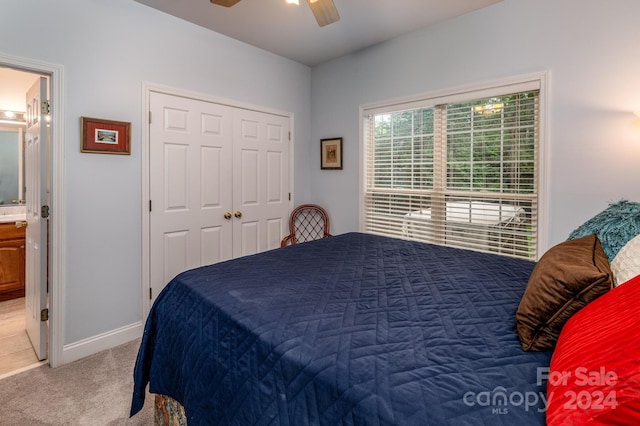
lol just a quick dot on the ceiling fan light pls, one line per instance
(225, 3)
(324, 11)
(296, 2)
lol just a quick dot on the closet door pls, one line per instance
(219, 184)
(190, 168)
(260, 181)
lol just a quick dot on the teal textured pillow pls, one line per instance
(615, 226)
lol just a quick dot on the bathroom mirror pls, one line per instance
(11, 165)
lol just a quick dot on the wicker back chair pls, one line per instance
(307, 222)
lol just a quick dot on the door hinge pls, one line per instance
(150, 293)
(44, 314)
(45, 107)
(149, 117)
(44, 212)
(289, 135)
(149, 205)
(289, 196)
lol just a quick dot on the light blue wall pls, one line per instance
(590, 48)
(108, 48)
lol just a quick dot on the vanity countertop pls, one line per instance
(4, 218)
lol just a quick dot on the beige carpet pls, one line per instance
(92, 391)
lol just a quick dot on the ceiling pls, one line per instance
(291, 31)
(14, 85)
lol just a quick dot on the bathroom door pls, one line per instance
(36, 196)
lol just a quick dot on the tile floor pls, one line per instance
(15, 349)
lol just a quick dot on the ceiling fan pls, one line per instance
(324, 11)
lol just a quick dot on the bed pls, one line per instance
(355, 329)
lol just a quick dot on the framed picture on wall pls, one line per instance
(102, 136)
(331, 154)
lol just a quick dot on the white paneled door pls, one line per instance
(218, 184)
(260, 181)
(36, 234)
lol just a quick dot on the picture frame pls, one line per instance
(100, 136)
(331, 154)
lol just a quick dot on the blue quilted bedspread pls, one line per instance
(354, 329)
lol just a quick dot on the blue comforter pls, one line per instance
(354, 329)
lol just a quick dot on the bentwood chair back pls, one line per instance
(307, 222)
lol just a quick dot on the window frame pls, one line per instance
(537, 81)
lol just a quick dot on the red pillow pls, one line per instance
(594, 377)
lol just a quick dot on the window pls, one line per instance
(459, 170)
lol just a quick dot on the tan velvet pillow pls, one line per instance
(566, 278)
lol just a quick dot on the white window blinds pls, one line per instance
(461, 173)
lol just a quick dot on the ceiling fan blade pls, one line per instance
(324, 11)
(225, 3)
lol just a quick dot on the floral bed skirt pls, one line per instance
(168, 412)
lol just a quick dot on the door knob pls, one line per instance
(238, 214)
(227, 215)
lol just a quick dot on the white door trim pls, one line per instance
(57, 197)
(147, 88)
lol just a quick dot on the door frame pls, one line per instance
(56, 233)
(147, 88)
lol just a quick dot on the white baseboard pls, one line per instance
(101, 342)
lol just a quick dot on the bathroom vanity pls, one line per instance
(12, 260)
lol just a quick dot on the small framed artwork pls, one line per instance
(331, 154)
(105, 136)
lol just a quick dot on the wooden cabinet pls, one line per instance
(12, 261)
